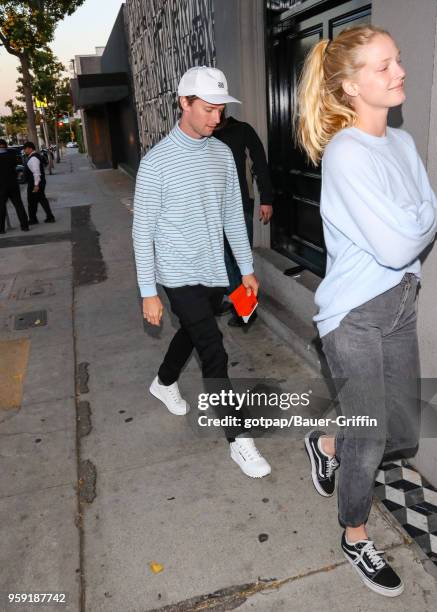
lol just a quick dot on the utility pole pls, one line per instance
(42, 105)
(70, 128)
(45, 130)
(58, 155)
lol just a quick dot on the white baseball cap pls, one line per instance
(206, 83)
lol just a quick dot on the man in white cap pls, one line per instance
(187, 193)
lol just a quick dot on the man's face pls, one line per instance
(202, 117)
(27, 151)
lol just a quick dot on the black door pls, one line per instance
(296, 224)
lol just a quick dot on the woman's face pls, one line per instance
(380, 82)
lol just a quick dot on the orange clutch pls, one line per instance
(244, 304)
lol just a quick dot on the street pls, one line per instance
(110, 499)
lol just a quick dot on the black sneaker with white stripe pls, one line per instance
(322, 466)
(372, 568)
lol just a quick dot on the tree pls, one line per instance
(46, 71)
(16, 122)
(26, 27)
(62, 105)
(51, 85)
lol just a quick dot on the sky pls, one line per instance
(78, 34)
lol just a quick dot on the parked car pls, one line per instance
(72, 145)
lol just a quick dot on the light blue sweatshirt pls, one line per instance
(379, 213)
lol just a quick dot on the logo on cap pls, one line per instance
(221, 85)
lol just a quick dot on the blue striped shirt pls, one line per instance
(187, 192)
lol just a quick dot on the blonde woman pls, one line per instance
(379, 214)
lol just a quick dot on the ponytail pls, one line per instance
(323, 108)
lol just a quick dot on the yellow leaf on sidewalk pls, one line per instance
(156, 567)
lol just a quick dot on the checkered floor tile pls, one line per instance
(412, 501)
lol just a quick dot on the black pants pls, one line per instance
(195, 307)
(35, 198)
(13, 193)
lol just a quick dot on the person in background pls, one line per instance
(245, 144)
(36, 184)
(10, 188)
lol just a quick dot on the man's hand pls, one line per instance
(35, 189)
(153, 309)
(249, 281)
(265, 213)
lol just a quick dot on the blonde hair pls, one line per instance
(323, 107)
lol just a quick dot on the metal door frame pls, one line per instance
(287, 24)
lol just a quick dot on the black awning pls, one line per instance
(96, 89)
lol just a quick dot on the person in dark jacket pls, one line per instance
(36, 184)
(243, 141)
(9, 187)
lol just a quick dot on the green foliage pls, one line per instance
(45, 70)
(48, 82)
(79, 136)
(16, 122)
(30, 24)
(26, 28)
(64, 134)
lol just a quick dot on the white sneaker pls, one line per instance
(247, 456)
(170, 396)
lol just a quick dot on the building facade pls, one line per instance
(166, 37)
(102, 89)
(260, 45)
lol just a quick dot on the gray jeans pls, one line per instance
(374, 361)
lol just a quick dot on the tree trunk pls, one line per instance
(27, 88)
(47, 141)
(45, 131)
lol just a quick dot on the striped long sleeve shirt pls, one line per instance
(187, 192)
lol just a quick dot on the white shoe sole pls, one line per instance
(154, 390)
(314, 469)
(372, 586)
(243, 468)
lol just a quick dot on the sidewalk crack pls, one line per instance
(234, 596)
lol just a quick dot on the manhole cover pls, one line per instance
(37, 318)
(37, 289)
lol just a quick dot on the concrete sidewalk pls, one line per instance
(88, 503)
